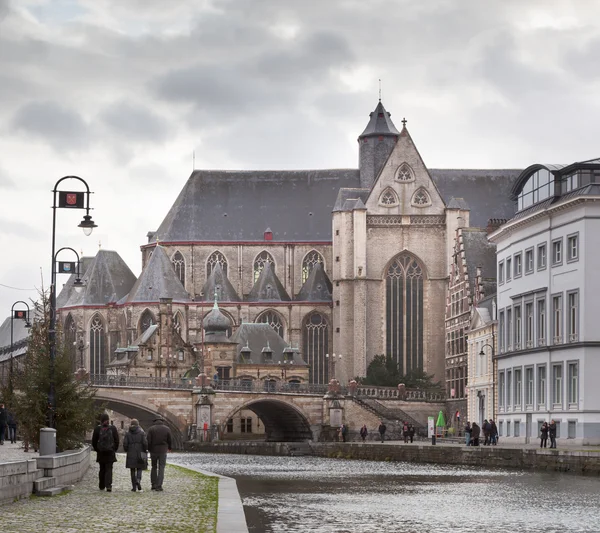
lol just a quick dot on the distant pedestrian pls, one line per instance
(475, 432)
(552, 433)
(411, 432)
(3, 420)
(364, 432)
(468, 433)
(344, 432)
(486, 432)
(159, 443)
(105, 442)
(135, 445)
(382, 429)
(12, 427)
(405, 432)
(493, 432)
(544, 435)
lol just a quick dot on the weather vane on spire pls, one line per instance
(380, 89)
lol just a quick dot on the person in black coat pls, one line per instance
(3, 420)
(475, 432)
(105, 458)
(552, 433)
(544, 435)
(135, 445)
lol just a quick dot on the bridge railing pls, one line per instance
(393, 393)
(104, 380)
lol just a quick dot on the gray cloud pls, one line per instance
(5, 181)
(134, 122)
(61, 127)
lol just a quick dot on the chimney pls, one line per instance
(494, 223)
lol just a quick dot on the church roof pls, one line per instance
(268, 287)
(317, 287)
(380, 123)
(157, 280)
(239, 205)
(217, 280)
(68, 290)
(347, 199)
(457, 203)
(258, 335)
(479, 252)
(107, 279)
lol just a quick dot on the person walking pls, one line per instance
(486, 432)
(382, 429)
(552, 433)
(135, 445)
(405, 431)
(105, 442)
(11, 421)
(159, 443)
(475, 432)
(3, 420)
(468, 434)
(364, 432)
(493, 432)
(411, 432)
(344, 432)
(544, 435)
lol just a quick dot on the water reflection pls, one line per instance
(301, 494)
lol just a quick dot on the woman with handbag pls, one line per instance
(135, 445)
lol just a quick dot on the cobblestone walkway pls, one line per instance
(188, 504)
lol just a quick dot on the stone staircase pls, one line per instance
(46, 486)
(394, 417)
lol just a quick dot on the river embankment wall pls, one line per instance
(546, 460)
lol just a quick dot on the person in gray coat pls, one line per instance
(159, 443)
(135, 445)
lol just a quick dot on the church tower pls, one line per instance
(375, 145)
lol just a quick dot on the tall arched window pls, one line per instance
(70, 336)
(97, 346)
(404, 313)
(310, 260)
(273, 319)
(146, 320)
(259, 263)
(177, 322)
(216, 257)
(179, 266)
(316, 345)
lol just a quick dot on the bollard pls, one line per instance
(433, 439)
(47, 441)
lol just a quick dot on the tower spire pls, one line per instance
(379, 89)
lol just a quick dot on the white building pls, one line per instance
(548, 357)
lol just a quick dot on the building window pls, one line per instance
(573, 316)
(529, 325)
(246, 425)
(558, 435)
(508, 428)
(541, 322)
(97, 346)
(508, 269)
(404, 173)
(316, 345)
(146, 320)
(310, 260)
(557, 325)
(517, 428)
(573, 247)
(557, 383)
(501, 272)
(537, 188)
(230, 425)
(404, 313)
(216, 258)
(501, 331)
(508, 388)
(388, 198)
(179, 266)
(261, 260)
(273, 319)
(518, 403)
(421, 198)
(149, 354)
(518, 330)
(573, 384)
(529, 261)
(529, 386)
(541, 386)
(541, 256)
(501, 428)
(509, 330)
(177, 322)
(571, 429)
(557, 252)
(518, 265)
(501, 385)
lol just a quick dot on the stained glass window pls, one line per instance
(404, 313)
(316, 345)
(216, 257)
(146, 320)
(310, 260)
(260, 261)
(97, 346)
(179, 266)
(177, 321)
(273, 319)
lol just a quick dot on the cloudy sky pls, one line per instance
(122, 92)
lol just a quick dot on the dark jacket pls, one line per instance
(11, 420)
(493, 429)
(135, 445)
(468, 428)
(159, 438)
(105, 457)
(363, 431)
(3, 416)
(552, 429)
(475, 431)
(382, 428)
(544, 431)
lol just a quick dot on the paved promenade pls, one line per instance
(86, 508)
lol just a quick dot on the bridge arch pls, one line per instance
(145, 415)
(283, 421)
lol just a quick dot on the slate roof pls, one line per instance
(268, 288)
(317, 287)
(68, 290)
(218, 280)
(380, 123)
(256, 337)
(347, 199)
(241, 205)
(157, 280)
(479, 252)
(20, 336)
(458, 203)
(107, 279)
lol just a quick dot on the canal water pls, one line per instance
(308, 494)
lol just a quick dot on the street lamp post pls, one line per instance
(67, 200)
(19, 315)
(482, 353)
